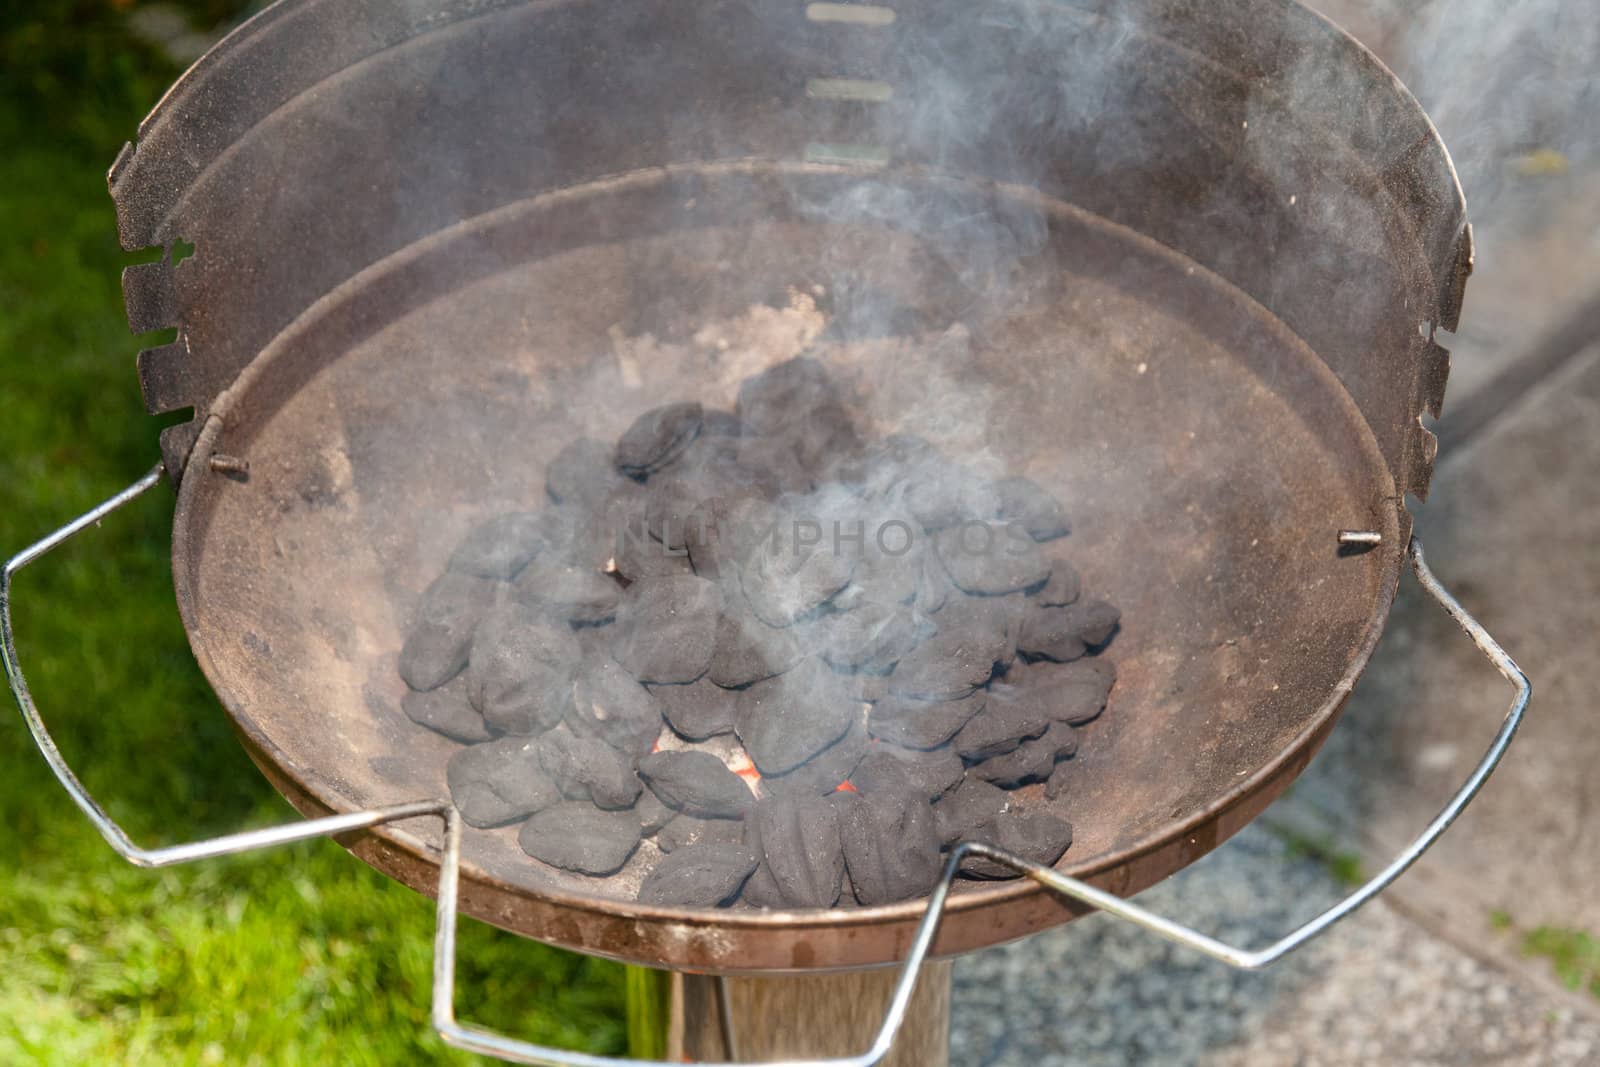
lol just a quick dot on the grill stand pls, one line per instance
(901, 1000)
(714, 1019)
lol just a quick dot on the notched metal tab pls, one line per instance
(164, 377)
(148, 292)
(119, 166)
(1433, 372)
(1455, 286)
(1424, 450)
(177, 442)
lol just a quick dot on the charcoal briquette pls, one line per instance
(872, 637)
(1024, 502)
(922, 724)
(707, 450)
(801, 849)
(872, 687)
(724, 529)
(499, 782)
(748, 650)
(1010, 717)
(1064, 585)
(1033, 760)
(824, 772)
(666, 628)
(653, 814)
(890, 768)
(775, 461)
(761, 890)
(718, 423)
(1081, 688)
(568, 593)
(657, 437)
(582, 474)
(1038, 837)
(696, 783)
(633, 553)
(1065, 633)
(682, 831)
(594, 642)
(446, 710)
(990, 558)
(609, 705)
(1050, 633)
(968, 808)
(994, 619)
(891, 845)
(786, 720)
(947, 666)
(670, 504)
(783, 394)
(698, 710)
(519, 671)
(942, 494)
(578, 537)
(789, 577)
(877, 469)
(819, 438)
(1056, 785)
(577, 836)
(500, 547)
(1074, 692)
(704, 875)
(1096, 621)
(730, 476)
(936, 496)
(934, 587)
(586, 768)
(439, 641)
(890, 570)
(640, 558)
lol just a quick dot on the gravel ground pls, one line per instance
(1377, 989)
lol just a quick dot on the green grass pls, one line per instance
(302, 955)
(1574, 954)
(1343, 865)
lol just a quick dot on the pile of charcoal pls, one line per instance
(894, 642)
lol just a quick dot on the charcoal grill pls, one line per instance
(1192, 259)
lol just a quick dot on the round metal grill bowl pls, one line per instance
(1138, 257)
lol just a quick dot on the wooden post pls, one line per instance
(809, 1017)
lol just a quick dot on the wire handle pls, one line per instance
(474, 1039)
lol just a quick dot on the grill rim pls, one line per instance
(698, 940)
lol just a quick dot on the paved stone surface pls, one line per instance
(1375, 990)
(1512, 528)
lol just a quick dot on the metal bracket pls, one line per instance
(474, 1039)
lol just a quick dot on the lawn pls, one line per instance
(303, 955)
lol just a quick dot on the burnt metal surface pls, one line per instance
(1253, 137)
(1208, 456)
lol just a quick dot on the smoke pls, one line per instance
(1506, 84)
(928, 270)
